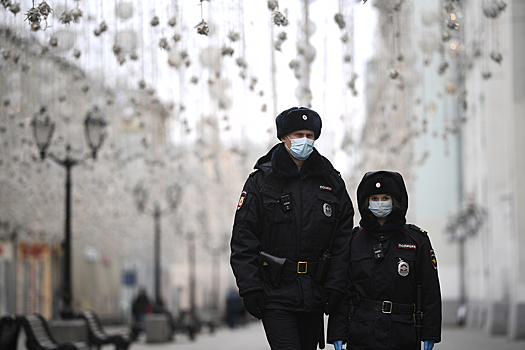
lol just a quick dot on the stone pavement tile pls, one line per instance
(249, 337)
(455, 338)
(252, 337)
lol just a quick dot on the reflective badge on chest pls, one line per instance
(402, 267)
(327, 209)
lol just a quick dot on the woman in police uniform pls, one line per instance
(393, 299)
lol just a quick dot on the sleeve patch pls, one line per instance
(433, 259)
(241, 200)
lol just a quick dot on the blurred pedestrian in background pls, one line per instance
(290, 239)
(394, 298)
(140, 306)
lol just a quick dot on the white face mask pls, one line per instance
(380, 209)
(301, 148)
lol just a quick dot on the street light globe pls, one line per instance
(43, 128)
(95, 125)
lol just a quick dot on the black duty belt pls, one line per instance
(300, 267)
(387, 307)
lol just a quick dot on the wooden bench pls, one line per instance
(9, 329)
(97, 335)
(39, 336)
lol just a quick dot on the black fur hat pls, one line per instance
(295, 118)
(381, 184)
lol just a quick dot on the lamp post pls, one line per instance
(464, 224)
(141, 195)
(43, 128)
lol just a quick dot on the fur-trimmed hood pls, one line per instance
(397, 219)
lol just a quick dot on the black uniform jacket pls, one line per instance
(302, 233)
(382, 280)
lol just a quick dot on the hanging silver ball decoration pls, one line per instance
(142, 84)
(496, 57)
(53, 41)
(273, 4)
(393, 74)
(241, 62)
(294, 64)
(202, 28)
(176, 37)
(66, 18)
(15, 8)
(442, 67)
(133, 56)
(340, 20)
(234, 36)
(172, 22)
(76, 13)
(279, 19)
(486, 75)
(154, 21)
(226, 50)
(494, 8)
(163, 44)
(102, 27)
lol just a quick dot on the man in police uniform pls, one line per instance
(289, 246)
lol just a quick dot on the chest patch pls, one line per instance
(403, 268)
(406, 246)
(241, 200)
(325, 188)
(327, 209)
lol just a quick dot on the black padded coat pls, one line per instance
(300, 234)
(381, 280)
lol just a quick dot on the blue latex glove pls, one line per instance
(338, 344)
(429, 345)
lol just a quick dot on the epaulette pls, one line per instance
(354, 230)
(253, 172)
(417, 228)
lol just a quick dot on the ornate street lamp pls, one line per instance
(95, 125)
(43, 128)
(141, 194)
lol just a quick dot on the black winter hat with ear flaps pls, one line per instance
(298, 118)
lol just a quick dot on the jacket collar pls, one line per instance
(283, 165)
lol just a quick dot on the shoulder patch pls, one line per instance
(241, 200)
(417, 228)
(433, 259)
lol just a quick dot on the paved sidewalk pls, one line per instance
(251, 337)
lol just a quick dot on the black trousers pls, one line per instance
(288, 330)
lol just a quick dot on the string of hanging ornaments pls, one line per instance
(202, 26)
(347, 39)
(492, 11)
(279, 19)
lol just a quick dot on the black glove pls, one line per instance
(331, 299)
(254, 303)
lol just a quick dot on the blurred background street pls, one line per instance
(127, 130)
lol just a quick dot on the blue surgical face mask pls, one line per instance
(301, 148)
(380, 209)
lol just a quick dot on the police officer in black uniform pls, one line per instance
(394, 298)
(290, 239)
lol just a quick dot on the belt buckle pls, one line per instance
(383, 307)
(305, 263)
